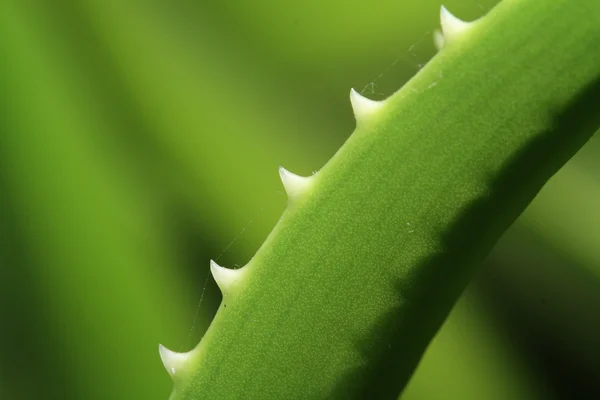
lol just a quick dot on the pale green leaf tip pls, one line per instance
(452, 27)
(364, 109)
(226, 278)
(438, 39)
(172, 361)
(294, 184)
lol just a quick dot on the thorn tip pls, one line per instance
(172, 361)
(363, 107)
(438, 39)
(294, 184)
(452, 27)
(224, 277)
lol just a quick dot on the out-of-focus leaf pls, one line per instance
(471, 358)
(97, 253)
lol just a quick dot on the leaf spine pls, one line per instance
(452, 27)
(364, 109)
(226, 278)
(438, 39)
(294, 185)
(172, 361)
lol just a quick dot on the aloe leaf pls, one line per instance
(374, 249)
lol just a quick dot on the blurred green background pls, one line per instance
(139, 139)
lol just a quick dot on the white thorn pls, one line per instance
(172, 361)
(294, 185)
(438, 39)
(452, 27)
(224, 277)
(363, 107)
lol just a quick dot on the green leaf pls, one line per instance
(374, 249)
